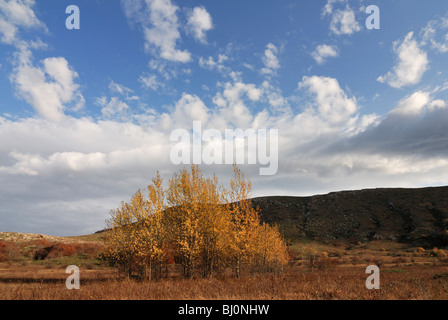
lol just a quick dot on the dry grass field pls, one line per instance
(317, 271)
(417, 282)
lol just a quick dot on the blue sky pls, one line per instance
(86, 115)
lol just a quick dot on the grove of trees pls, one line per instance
(196, 223)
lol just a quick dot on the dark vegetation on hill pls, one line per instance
(418, 217)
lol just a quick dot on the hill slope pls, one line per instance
(415, 216)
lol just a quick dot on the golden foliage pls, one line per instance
(206, 227)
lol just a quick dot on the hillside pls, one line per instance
(415, 216)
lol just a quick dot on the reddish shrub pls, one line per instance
(9, 251)
(71, 249)
(90, 250)
(41, 243)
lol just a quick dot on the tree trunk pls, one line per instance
(238, 267)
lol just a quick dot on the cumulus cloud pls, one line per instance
(332, 102)
(48, 88)
(270, 60)
(117, 106)
(15, 15)
(113, 107)
(328, 8)
(233, 102)
(199, 22)
(413, 104)
(323, 52)
(274, 97)
(344, 22)
(159, 22)
(412, 62)
(342, 18)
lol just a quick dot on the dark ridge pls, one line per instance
(415, 216)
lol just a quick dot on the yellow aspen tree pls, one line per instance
(214, 227)
(157, 226)
(244, 221)
(205, 226)
(136, 235)
(139, 212)
(149, 229)
(120, 239)
(184, 195)
(272, 254)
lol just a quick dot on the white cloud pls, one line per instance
(323, 52)
(412, 105)
(270, 60)
(199, 22)
(435, 34)
(232, 103)
(412, 62)
(159, 21)
(342, 20)
(123, 91)
(417, 104)
(162, 67)
(212, 64)
(149, 81)
(333, 104)
(112, 108)
(274, 97)
(15, 14)
(118, 88)
(19, 12)
(8, 31)
(189, 108)
(49, 89)
(248, 66)
(328, 9)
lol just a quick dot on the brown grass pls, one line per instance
(34, 282)
(337, 272)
